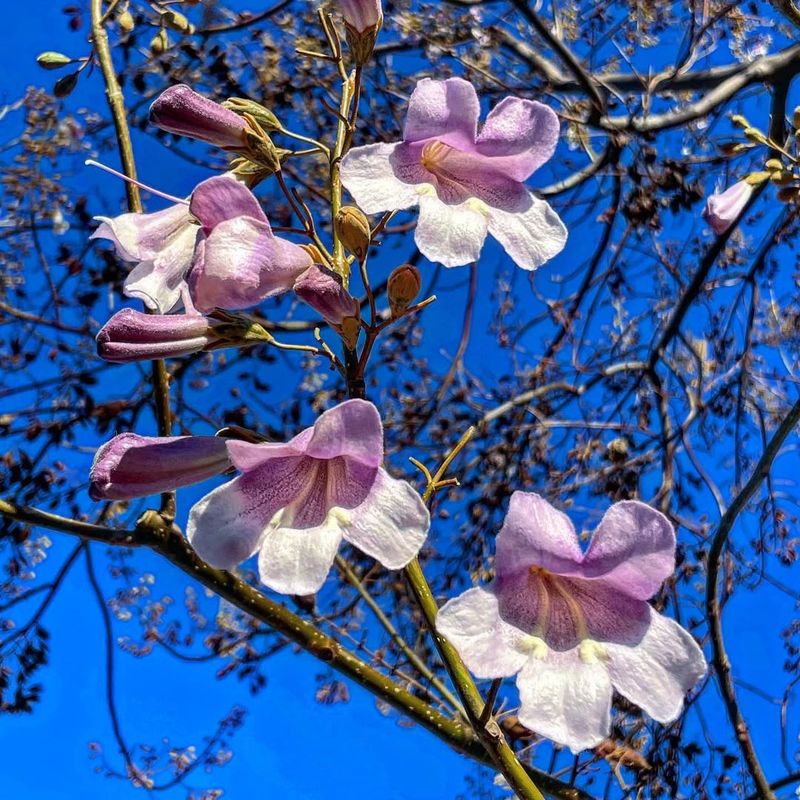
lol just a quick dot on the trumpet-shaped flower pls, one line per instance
(132, 336)
(162, 246)
(322, 289)
(295, 502)
(239, 261)
(216, 251)
(572, 625)
(723, 208)
(466, 184)
(130, 465)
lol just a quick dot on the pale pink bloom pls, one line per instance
(723, 208)
(130, 465)
(322, 289)
(182, 110)
(573, 625)
(361, 15)
(238, 261)
(161, 245)
(221, 242)
(467, 184)
(132, 336)
(295, 502)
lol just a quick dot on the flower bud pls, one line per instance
(132, 336)
(403, 287)
(182, 110)
(263, 116)
(126, 22)
(66, 85)
(363, 20)
(130, 466)
(176, 21)
(723, 209)
(159, 43)
(52, 60)
(352, 228)
(350, 330)
(324, 292)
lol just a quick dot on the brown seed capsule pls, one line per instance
(403, 287)
(352, 228)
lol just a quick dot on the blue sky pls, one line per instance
(290, 745)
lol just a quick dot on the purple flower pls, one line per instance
(361, 15)
(239, 261)
(723, 208)
(295, 502)
(161, 245)
(133, 336)
(130, 466)
(572, 625)
(465, 183)
(323, 291)
(217, 251)
(181, 110)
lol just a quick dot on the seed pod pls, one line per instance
(353, 230)
(403, 287)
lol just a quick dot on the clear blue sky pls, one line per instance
(290, 746)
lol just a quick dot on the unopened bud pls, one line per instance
(353, 230)
(363, 20)
(754, 135)
(52, 60)
(263, 116)
(159, 43)
(64, 86)
(740, 121)
(403, 287)
(125, 22)
(617, 450)
(322, 289)
(176, 21)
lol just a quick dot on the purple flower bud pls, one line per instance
(723, 208)
(181, 110)
(133, 336)
(132, 466)
(361, 15)
(323, 291)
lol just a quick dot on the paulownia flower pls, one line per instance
(130, 466)
(221, 241)
(295, 502)
(161, 245)
(322, 289)
(572, 626)
(467, 184)
(292, 504)
(723, 208)
(132, 336)
(181, 110)
(239, 261)
(361, 15)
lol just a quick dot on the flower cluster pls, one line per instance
(569, 625)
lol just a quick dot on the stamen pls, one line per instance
(592, 652)
(533, 646)
(92, 163)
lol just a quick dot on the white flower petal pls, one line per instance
(391, 524)
(453, 235)
(146, 283)
(531, 235)
(566, 699)
(368, 174)
(656, 673)
(297, 560)
(489, 646)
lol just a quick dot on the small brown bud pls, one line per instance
(353, 230)
(65, 86)
(176, 21)
(740, 121)
(126, 22)
(403, 287)
(350, 330)
(617, 450)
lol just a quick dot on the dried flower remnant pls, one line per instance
(572, 626)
